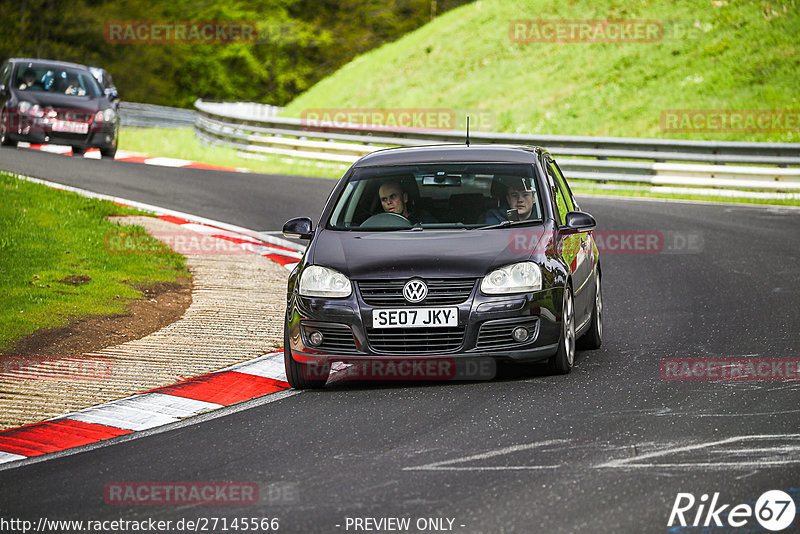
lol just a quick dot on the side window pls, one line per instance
(5, 74)
(562, 184)
(561, 201)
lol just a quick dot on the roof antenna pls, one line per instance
(467, 130)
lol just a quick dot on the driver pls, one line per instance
(395, 200)
(74, 88)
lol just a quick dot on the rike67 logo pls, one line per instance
(774, 510)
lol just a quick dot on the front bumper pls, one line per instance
(38, 131)
(484, 330)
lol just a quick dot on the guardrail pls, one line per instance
(152, 116)
(651, 161)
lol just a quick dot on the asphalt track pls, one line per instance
(604, 449)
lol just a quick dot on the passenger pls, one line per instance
(516, 198)
(394, 199)
(28, 80)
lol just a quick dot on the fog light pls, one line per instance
(315, 338)
(520, 334)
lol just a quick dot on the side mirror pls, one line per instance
(578, 221)
(299, 227)
(3, 89)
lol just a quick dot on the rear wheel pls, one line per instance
(561, 363)
(78, 151)
(301, 375)
(593, 337)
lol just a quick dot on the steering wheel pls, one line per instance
(386, 220)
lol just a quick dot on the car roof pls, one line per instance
(452, 153)
(52, 62)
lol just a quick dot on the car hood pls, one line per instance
(54, 100)
(431, 253)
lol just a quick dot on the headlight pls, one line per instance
(515, 278)
(106, 115)
(318, 281)
(26, 108)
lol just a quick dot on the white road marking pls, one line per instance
(144, 411)
(268, 366)
(730, 459)
(10, 457)
(446, 465)
(168, 162)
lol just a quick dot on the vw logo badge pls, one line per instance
(415, 290)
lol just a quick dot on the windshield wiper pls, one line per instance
(503, 224)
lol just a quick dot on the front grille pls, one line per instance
(440, 291)
(497, 334)
(335, 337)
(70, 115)
(415, 340)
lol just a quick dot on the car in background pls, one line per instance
(54, 102)
(444, 252)
(107, 83)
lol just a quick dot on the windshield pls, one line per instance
(443, 196)
(32, 77)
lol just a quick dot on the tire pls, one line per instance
(301, 375)
(108, 152)
(561, 363)
(78, 151)
(4, 139)
(593, 337)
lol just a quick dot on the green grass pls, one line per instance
(48, 236)
(181, 143)
(740, 55)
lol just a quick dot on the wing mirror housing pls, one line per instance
(578, 221)
(299, 227)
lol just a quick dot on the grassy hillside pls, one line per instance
(723, 55)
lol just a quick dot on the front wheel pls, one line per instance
(593, 337)
(561, 363)
(302, 375)
(5, 140)
(108, 152)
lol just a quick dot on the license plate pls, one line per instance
(414, 317)
(70, 127)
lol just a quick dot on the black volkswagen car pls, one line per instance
(444, 252)
(55, 102)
